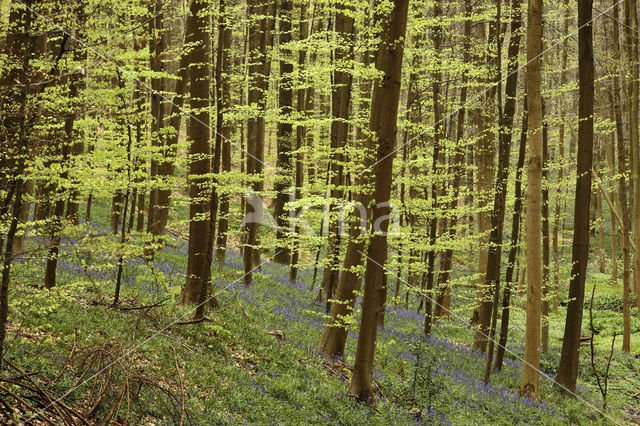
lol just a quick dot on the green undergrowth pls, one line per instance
(254, 362)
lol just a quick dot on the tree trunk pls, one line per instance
(13, 133)
(568, 368)
(384, 112)
(631, 44)
(544, 337)
(66, 142)
(223, 128)
(437, 141)
(334, 335)
(199, 152)
(484, 158)
(558, 224)
(260, 36)
(157, 50)
(441, 306)
(340, 101)
(529, 382)
(505, 135)
(282, 185)
(301, 132)
(515, 237)
(625, 225)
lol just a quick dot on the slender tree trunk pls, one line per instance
(558, 224)
(483, 190)
(384, 112)
(568, 368)
(515, 238)
(157, 50)
(127, 192)
(631, 44)
(529, 381)
(544, 337)
(77, 79)
(625, 225)
(489, 304)
(340, 103)
(283, 182)
(57, 224)
(223, 128)
(199, 151)
(301, 131)
(13, 133)
(441, 307)
(260, 36)
(334, 335)
(611, 165)
(437, 141)
(505, 135)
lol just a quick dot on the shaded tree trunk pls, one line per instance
(223, 128)
(340, 102)
(301, 131)
(505, 135)
(515, 239)
(199, 151)
(568, 368)
(282, 185)
(437, 141)
(13, 133)
(260, 36)
(625, 223)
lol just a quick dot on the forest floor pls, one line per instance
(254, 360)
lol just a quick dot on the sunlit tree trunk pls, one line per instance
(483, 190)
(625, 225)
(384, 112)
(544, 337)
(340, 102)
(529, 381)
(631, 45)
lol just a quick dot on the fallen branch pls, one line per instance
(194, 321)
(141, 308)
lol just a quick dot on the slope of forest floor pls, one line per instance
(254, 360)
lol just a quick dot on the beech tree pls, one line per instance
(198, 134)
(384, 103)
(529, 382)
(161, 159)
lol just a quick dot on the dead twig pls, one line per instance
(194, 321)
(181, 383)
(141, 308)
